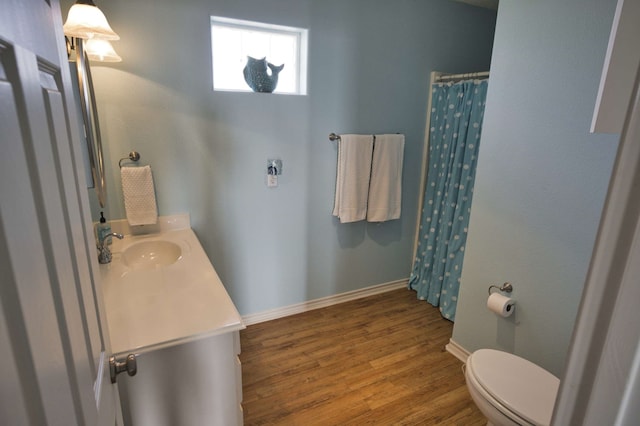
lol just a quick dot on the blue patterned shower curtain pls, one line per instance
(456, 122)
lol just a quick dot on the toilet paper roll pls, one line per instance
(501, 305)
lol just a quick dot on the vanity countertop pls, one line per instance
(150, 308)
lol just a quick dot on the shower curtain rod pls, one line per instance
(447, 77)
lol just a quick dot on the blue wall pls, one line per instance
(369, 65)
(541, 178)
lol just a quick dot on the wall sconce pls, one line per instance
(86, 22)
(101, 51)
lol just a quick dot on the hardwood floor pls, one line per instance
(377, 360)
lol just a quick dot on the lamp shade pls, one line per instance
(86, 21)
(101, 50)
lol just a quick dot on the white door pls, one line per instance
(53, 338)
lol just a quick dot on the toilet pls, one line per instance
(510, 390)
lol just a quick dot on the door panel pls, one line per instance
(9, 401)
(52, 327)
(26, 295)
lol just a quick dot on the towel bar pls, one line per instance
(133, 156)
(334, 136)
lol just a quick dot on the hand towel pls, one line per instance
(352, 177)
(385, 189)
(139, 195)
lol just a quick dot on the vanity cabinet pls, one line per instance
(165, 303)
(193, 384)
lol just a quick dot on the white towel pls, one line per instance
(385, 189)
(139, 195)
(352, 178)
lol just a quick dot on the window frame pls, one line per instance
(302, 41)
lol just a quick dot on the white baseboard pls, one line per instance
(456, 350)
(322, 302)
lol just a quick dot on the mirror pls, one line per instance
(90, 120)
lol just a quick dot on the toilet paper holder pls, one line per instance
(506, 287)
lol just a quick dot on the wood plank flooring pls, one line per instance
(377, 360)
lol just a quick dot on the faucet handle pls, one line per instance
(110, 234)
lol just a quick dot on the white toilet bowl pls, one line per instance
(509, 390)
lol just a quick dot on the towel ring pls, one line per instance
(133, 156)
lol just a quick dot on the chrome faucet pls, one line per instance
(104, 254)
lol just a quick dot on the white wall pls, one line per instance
(541, 179)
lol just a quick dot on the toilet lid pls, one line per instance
(525, 388)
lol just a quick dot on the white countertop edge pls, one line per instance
(179, 341)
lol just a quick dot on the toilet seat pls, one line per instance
(513, 385)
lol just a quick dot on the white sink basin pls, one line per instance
(151, 254)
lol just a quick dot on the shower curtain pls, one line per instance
(456, 122)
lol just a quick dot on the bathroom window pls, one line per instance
(232, 40)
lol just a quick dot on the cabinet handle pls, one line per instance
(128, 364)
